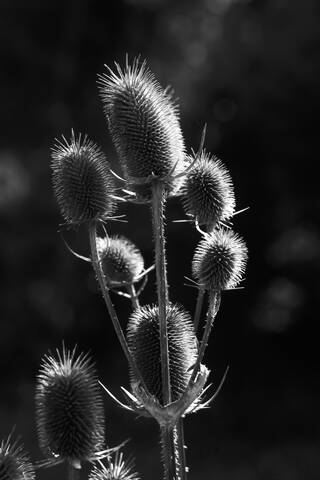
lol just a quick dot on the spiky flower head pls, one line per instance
(143, 337)
(207, 191)
(14, 462)
(144, 125)
(82, 181)
(117, 469)
(219, 260)
(69, 408)
(121, 260)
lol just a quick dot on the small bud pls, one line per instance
(121, 261)
(14, 462)
(81, 180)
(207, 191)
(219, 260)
(117, 469)
(144, 342)
(69, 408)
(144, 125)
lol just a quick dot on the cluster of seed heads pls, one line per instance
(121, 261)
(143, 337)
(69, 408)
(14, 462)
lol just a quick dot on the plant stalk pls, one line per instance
(197, 314)
(168, 453)
(73, 473)
(133, 294)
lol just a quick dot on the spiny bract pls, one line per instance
(81, 180)
(69, 408)
(207, 191)
(121, 261)
(117, 469)
(144, 125)
(219, 260)
(14, 462)
(144, 343)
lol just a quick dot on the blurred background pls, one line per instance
(250, 70)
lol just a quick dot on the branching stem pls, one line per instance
(199, 304)
(134, 297)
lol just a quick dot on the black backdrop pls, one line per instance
(250, 70)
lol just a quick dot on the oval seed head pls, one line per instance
(82, 181)
(219, 260)
(121, 261)
(14, 462)
(207, 191)
(117, 469)
(69, 408)
(144, 125)
(144, 343)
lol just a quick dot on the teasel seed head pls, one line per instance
(219, 260)
(14, 462)
(144, 342)
(116, 469)
(121, 261)
(144, 125)
(207, 191)
(82, 180)
(69, 408)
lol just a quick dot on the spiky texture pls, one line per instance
(69, 408)
(117, 469)
(219, 260)
(143, 123)
(14, 462)
(121, 261)
(81, 180)
(207, 191)
(144, 342)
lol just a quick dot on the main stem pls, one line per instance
(73, 473)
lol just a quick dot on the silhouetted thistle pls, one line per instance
(69, 408)
(14, 462)
(144, 125)
(219, 260)
(117, 469)
(81, 180)
(121, 261)
(207, 191)
(144, 343)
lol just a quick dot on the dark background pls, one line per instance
(250, 69)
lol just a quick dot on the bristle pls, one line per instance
(69, 408)
(116, 469)
(207, 191)
(144, 343)
(121, 261)
(219, 260)
(14, 462)
(143, 123)
(82, 181)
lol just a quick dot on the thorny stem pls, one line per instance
(133, 295)
(106, 296)
(168, 453)
(181, 462)
(213, 309)
(199, 304)
(73, 473)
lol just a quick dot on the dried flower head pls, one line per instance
(121, 261)
(69, 408)
(14, 462)
(207, 191)
(219, 260)
(81, 180)
(117, 469)
(144, 125)
(144, 342)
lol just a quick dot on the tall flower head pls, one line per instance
(207, 191)
(81, 180)
(144, 125)
(144, 342)
(121, 261)
(14, 462)
(219, 260)
(116, 469)
(69, 408)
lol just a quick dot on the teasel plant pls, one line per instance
(163, 349)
